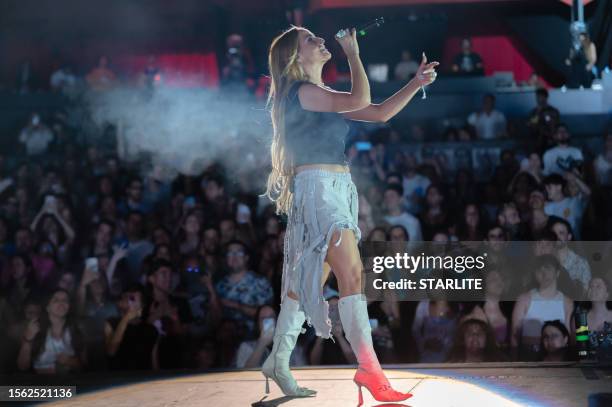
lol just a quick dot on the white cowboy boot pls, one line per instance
(356, 324)
(276, 367)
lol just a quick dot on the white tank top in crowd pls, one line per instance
(52, 348)
(540, 310)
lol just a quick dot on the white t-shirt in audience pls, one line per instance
(411, 223)
(488, 126)
(559, 152)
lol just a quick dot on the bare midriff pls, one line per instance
(324, 167)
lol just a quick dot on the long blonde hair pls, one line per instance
(284, 71)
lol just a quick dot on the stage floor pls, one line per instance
(439, 386)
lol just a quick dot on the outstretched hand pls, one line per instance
(426, 73)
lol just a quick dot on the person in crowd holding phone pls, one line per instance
(131, 342)
(577, 267)
(18, 323)
(561, 205)
(95, 307)
(196, 283)
(53, 344)
(339, 352)
(385, 321)
(169, 313)
(51, 225)
(252, 353)
(311, 183)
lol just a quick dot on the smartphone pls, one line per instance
(243, 213)
(49, 201)
(190, 269)
(363, 145)
(373, 323)
(269, 323)
(91, 263)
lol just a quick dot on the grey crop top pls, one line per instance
(313, 137)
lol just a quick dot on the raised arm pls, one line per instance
(393, 105)
(321, 99)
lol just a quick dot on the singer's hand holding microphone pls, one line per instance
(347, 38)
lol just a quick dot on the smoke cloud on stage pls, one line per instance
(183, 131)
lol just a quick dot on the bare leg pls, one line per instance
(345, 262)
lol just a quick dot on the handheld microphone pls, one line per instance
(361, 32)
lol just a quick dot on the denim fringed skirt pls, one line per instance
(323, 202)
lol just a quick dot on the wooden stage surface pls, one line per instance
(483, 385)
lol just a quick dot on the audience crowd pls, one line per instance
(105, 267)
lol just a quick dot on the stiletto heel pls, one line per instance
(360, 402)
(267, 386)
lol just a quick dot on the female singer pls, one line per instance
(311, 183)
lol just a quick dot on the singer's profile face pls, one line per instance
(312, 49)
